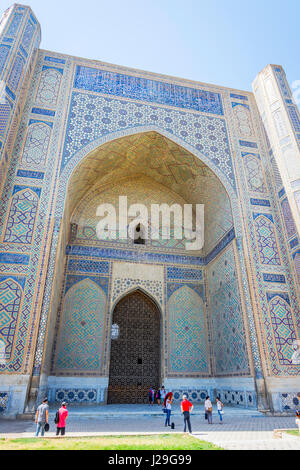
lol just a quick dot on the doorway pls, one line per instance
(135, 349)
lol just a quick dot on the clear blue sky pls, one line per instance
(224, 42)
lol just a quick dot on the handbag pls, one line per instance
(164, 410)
(56, 418)
(47, 427)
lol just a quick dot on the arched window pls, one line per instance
(115, 331)
(139, 236)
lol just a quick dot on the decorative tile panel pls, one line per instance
(254, 173)
(49, 86)
(187, 333)
(82, 328)
(4, 400)
(228, 331)
(76, 395)
(266, 239)
(143, 89)
(21, 220)
(10, 301)
(283, 326)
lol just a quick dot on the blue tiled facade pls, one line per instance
(81, 131)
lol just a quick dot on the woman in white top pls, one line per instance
(208, 409)
(168, 405)
(220, 409)
(297, 420)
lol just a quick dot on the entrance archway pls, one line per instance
(135, 349)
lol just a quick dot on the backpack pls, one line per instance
(56, 419)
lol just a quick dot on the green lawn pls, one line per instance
(153, 442)
(295, 432)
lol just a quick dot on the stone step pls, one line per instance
(104, 413)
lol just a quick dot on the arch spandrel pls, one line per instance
(68, 174)
(154, 156)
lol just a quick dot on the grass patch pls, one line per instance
(294, 432)
(153, 442)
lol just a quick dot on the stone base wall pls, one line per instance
(13, 392)
(77, 390)
(232, 391)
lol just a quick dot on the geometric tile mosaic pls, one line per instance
(283, 327)
(147, 90)
(187, 333)
(36, 145)
(10, 301)
(121, 286)
(49, 86)
(202, 131)
(78, 395)
(266, 239)
(289, 401)
(237, 398)
(82, 326)
(228, 330)
(254, 174)
(194, 396)
(21, 219)
(4, 399)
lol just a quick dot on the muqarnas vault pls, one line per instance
(93, 321)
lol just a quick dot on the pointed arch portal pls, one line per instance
(135, 349)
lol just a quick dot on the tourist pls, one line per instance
(151, 396)
(168, 407)
(208, 409)
(186, 409)
(63, 414)
(220, 409)
(41, 417)
(163, 394)
(158, 396)
(297, 421)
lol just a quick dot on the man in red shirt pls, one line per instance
(61, 425)
(186, 409)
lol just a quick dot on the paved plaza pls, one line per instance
(242, 429)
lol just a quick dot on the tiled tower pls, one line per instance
(20, 38)
(281, 119)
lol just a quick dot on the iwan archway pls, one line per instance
(204, 331)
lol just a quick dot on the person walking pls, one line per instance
(63, 414)
(220, 409)
(163, 394)
(186, 409)
(168, 407)
(41, 417)
(151, 395)
(158, 396)
(208, 409)
(297, 420)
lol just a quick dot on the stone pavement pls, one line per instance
(242, 429)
